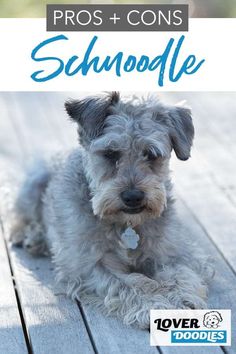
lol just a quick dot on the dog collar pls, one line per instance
(130, 238)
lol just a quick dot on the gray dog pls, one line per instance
(105, 212)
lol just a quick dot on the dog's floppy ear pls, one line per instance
(90, 114)
(181, 131)
(219, 316)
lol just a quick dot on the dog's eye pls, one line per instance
(112, 155)
(151, 155)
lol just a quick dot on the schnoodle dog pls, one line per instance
(105, 212)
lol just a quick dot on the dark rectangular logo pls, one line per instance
(117, 18)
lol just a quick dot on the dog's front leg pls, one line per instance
(182, 286)
(122, 293)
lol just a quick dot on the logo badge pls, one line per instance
(190, 327)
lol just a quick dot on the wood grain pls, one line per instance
(12, 338)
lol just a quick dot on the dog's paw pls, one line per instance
(139, 319)
(140, 316)
(34, 241)
(17, 233)
(36, 248)
(142, 284)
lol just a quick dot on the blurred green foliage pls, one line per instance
(197, 8)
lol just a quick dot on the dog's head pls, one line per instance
(212, 319)
(128, 145)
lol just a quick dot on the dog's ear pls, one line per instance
(219, 316)
(90, 114)
(181, 131)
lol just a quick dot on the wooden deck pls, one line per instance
(34, 317)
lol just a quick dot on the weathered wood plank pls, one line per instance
(9, 138)
(222, 125)
(30, 117)
(54, 323)
(61, 125)
(112, 337)
(215, 140)
(12, 338)
(191, 350)
(209, 204)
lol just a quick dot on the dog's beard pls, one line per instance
(107, 204)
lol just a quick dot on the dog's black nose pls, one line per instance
(132, 197)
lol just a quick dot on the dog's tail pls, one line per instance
(28, 205)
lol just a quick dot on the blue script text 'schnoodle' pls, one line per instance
(119, 63)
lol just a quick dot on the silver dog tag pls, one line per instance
(130, 238)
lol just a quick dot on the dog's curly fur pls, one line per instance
(72, 208)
